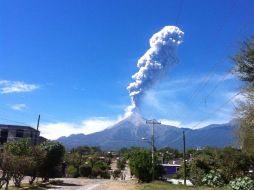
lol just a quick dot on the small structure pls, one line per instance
(170, 169)
(10, 133)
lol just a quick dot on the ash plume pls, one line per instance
(154, 64)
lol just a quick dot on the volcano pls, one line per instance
(130, 131)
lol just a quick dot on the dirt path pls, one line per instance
(94, 184)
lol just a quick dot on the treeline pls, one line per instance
(213, 167)
(244, 69)
(20, 158)
(217, 166)
(88, 162)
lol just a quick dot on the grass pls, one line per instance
(39, 186)
(166, 186)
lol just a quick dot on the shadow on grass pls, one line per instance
(43, 186)
(66, 184)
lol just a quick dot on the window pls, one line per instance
(19, 133)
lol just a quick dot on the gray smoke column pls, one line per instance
(155, 63)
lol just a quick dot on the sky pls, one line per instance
(71, 62)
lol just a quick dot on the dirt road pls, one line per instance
(94, 184)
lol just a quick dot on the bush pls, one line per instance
(85, 171)
(104, 174)
(242, 183)
(72, 171)
(140, 163)
(100, 165)
(121, 164)
(213, 179)
(116, 173)
(95, 172)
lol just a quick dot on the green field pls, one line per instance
(165, 186)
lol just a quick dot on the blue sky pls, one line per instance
(71, 61)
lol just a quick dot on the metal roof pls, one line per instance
(4, 126)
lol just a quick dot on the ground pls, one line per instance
(165, 186)
(102, 184)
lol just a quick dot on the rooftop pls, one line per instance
(4, 126)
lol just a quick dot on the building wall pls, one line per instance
(19, 133)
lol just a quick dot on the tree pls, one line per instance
(38, 157)
(53, 159)
(6, 165)
(140, 162)
(120, 164)
(72, 171)
(16, 161)
(85, 170)
(116, 173)
(232, 163)
(227, 162)
(244, 69)
(244, 61)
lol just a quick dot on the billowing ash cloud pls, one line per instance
(158, 59)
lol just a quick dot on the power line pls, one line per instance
(215, 111)
(206, 80)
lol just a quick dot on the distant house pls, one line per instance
(10, 133)
(170, 169)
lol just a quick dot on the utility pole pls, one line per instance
(37, 132)
(184, 158)
(153, 122)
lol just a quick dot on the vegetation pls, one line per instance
(228, 162)
(243, 183)
(88, 162)
(85, 170)
(140, 162)
(244, 69)
(120, 164)
(213, 179)
(166, 186)
(116, 173)
(19, 158)
(51, 166)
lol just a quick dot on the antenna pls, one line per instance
(38, 122)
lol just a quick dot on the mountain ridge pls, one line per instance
(129, 132)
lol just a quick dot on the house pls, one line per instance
(10, 133)
(170, 169)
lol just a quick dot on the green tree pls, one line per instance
(6, 165)
(232, 163)
(140, 162)
(244, 69)
(202, 163)
(38, 156)
(85, 170)
(53, 159)
(244, 61)
(120, 164)
(16, 161)
(72, 171)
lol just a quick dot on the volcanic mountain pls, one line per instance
(130, 131)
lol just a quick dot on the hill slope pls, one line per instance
(129, 132)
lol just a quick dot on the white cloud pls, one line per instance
(7, 87)
(96, 124)
(201, 124)
(88, 126)
(19, 107)
(174, 123)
